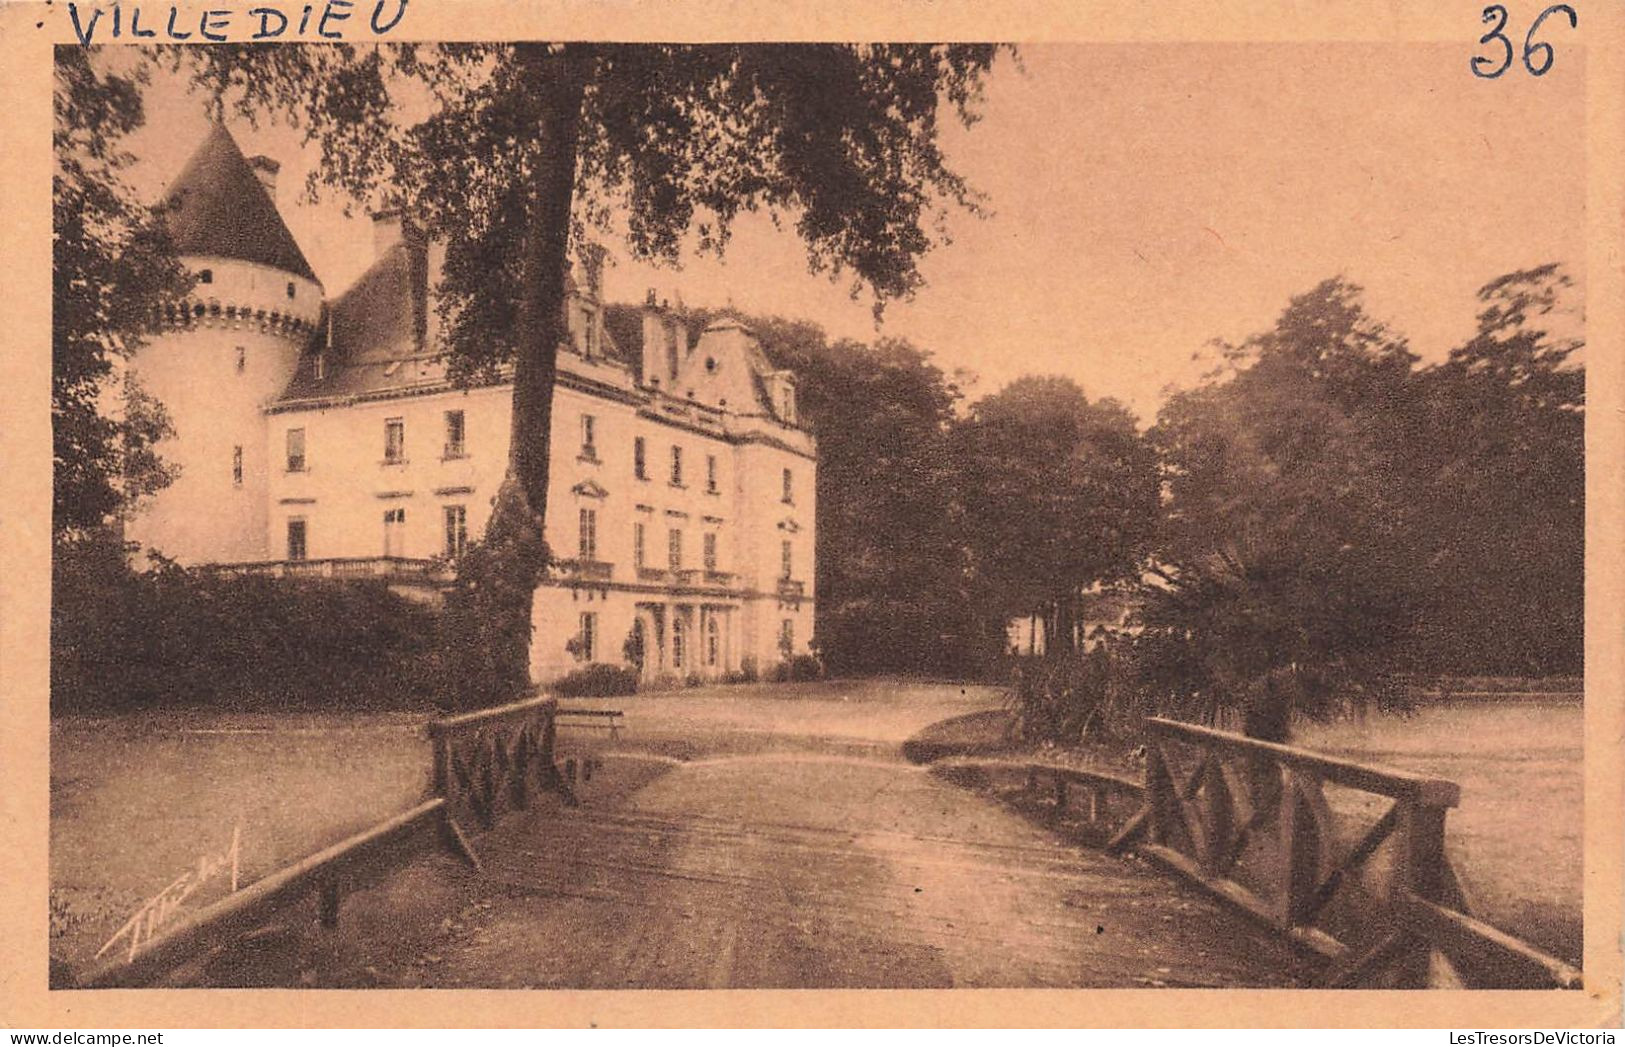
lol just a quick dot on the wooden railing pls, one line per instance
(485, 763)
(1248, 821)
(489, 761)
(351, 861)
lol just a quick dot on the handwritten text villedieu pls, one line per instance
(317, 20)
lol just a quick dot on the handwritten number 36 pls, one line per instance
(1486, 68)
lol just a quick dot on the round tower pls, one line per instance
(218, 359)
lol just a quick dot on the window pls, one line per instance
(710, 552)
(640, 464)
(676, 466)
(205, 276)
(713, 640)
(784, 552)
(242, 359)
(787, 637)
(588, 448)
(679, 634)
(587, 639)
(318, 366)
(456, 517)
(290, 288)
(454, 434)
(394, 441)
(394, 532)
(674, 548)
(589, 534)
(711, 473)
(637, 545)
(296, 538)
(237, 466)
(296, 450)
(788, 488)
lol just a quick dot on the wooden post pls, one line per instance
(485, 786)
(1060, 796)
(518, 785)
(442, 766)
(1419, 869)
(1219, 816)
(1300, 852)
(1159, 795)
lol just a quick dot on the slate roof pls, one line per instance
(624, 325)
(217, 206)
(372, 334)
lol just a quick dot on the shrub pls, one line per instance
(1068, 696)
(801, 667)
(598, 681)
(126, 639)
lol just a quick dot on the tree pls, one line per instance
(112, 267)
(1504, 448)
(1059, 494)
(892, 571)
(1286, 569)
(529, 145)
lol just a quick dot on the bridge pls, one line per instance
(699, 844)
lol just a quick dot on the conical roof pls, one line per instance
(217, 206)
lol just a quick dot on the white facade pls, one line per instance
(311, 445)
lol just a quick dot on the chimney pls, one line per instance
(265, 170)
(654, 339)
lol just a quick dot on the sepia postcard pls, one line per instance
(690, 514)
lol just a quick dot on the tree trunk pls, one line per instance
(1066, 617)
(496, 587)
(554, 78)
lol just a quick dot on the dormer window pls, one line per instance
(205, 276)
(290, 288)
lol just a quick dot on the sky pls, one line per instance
(1145, 199)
